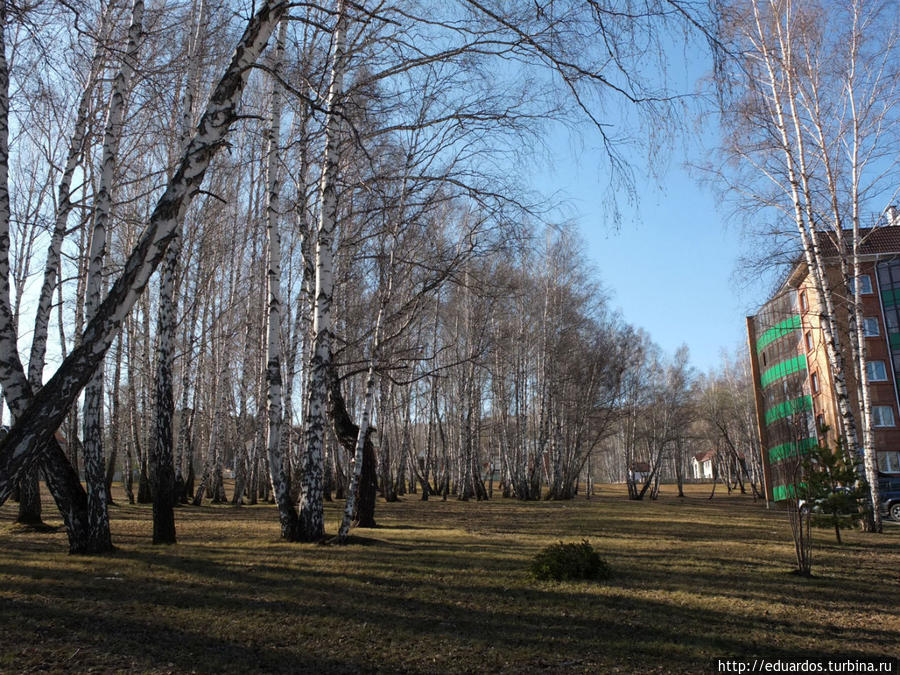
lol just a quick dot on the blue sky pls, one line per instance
(670, 265)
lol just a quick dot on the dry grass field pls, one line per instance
(444, 587)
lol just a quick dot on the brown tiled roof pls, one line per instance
(877, 240)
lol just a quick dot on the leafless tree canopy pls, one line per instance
(344, 244)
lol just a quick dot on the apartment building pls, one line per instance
(793, 384)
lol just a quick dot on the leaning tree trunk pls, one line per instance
(45, 412)
(362, 435)
(348, 435)
(61, 479)
(29, 495)
(312, 519)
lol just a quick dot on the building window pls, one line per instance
(814, 381)
(804, 305)
(870, 327)
(889, 462)
(865, 285)
(891, 321)
(876, 371)
(809, 341)
(882, 416)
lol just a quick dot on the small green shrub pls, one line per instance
(562, 562)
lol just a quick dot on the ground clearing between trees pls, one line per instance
(444, 587)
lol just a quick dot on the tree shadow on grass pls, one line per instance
(432, 598)
(412, 600)
(115, 642)
(29, 528)
(259, 625)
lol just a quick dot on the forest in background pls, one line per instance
(354, 293)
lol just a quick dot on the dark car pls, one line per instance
(889, 491)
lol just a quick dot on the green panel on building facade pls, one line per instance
(788, 367)
(782, 492)
(895, 340)
(788, 408)
(890, 297)
(778, 330)
(786, 450)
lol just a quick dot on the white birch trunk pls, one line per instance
(312, 522)
(278, 469)
(187, 367)
(15, 386)
(855, 320)
(63, 209)
(162, 463)
(162, 469)
(62, 480)
(216, 431)
(365, 420)
(48, 408)
(830, 326)
(94, 466)
(870, 464)
(811, 251)
(302, 313)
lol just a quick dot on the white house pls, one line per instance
(702, 465)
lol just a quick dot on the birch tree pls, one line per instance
(74, 154)
(815, 121)
(48, 407)
(62, 480)
(278, 463)
(94, 465)
(312, 525)
(162, 460)
(471, 40)
(411, 124)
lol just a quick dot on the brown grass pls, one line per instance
(444, 587)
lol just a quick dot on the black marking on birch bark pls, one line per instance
(311, 504)
(45, 412)
(61, 480)
(162, 469)
(347, 434)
